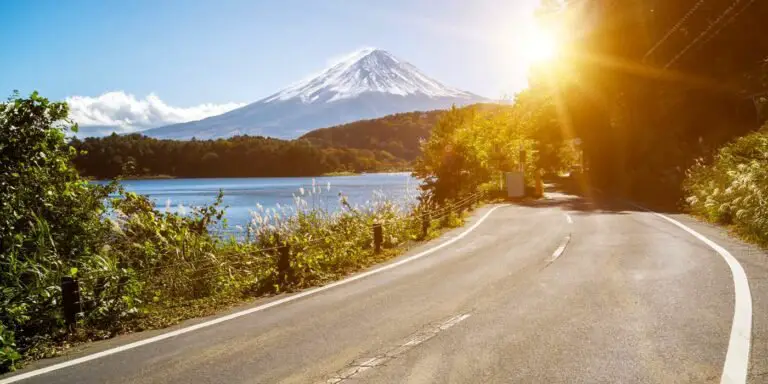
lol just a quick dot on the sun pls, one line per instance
(540, 46)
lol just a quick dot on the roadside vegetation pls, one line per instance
(470, 148)
(732, 189)
(141, 267)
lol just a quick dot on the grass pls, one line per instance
(163, 269)
(732, 190)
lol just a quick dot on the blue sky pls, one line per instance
(192, 52)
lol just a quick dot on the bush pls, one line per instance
(139, 266)
(733, 189)
(50, 219)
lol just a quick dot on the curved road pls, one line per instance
(565, 290)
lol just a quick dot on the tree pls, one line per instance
(50, 218)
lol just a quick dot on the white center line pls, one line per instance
(568, 218)
(559, 251)
(357, 367)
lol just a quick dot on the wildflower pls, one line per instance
(301, 191)
(167, 205)
(182, 210)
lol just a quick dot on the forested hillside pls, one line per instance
(387, 143)
(398, 134)
(137, 156)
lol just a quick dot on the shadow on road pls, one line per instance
(575, 195)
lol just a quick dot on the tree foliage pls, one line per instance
(138, 266)
(243, 156)
(473, 146)
(50, 219)
(733, 189)
(648, 98)
(398, 134)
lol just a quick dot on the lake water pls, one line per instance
(242, 194)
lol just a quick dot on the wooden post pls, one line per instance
(378, 237)
(70, 298)
(98, 289)
(426, 218)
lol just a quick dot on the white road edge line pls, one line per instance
(736, 366)
(568, 218)
(235, 315)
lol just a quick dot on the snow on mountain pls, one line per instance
(367, 84)
(364, 71)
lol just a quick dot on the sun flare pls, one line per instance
(541, 46)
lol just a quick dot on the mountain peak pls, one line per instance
(365, 84)
(366, 70)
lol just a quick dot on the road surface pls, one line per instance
(564, 290)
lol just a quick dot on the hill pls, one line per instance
(398, 134)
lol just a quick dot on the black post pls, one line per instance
(378, 236)
(98, 289)
(284, 264)
(425, 221)
(70, 298)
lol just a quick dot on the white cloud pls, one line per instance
(122, 112)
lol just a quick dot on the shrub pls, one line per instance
(136, 263)
(733, 189)
(50, 219)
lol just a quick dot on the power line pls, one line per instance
(674, 28)
(703, 33)
(731, 20)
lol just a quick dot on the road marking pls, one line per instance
(361, 365)
(559, 251)
(235, 315)
(568, 218)
(736, 364)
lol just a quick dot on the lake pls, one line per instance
(242, 194)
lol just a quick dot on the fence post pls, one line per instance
(378, 236)
(283, 264)
(70, 298)
(426, 218)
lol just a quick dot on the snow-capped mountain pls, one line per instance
(368, 84)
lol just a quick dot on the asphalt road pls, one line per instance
(631, 298)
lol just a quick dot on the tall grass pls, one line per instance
(733, 189)
(157, 267)
(140, 267)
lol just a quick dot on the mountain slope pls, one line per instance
(370, 83)
(398, 134)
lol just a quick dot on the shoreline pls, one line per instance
(168, 177)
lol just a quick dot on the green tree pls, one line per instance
(50, 218)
